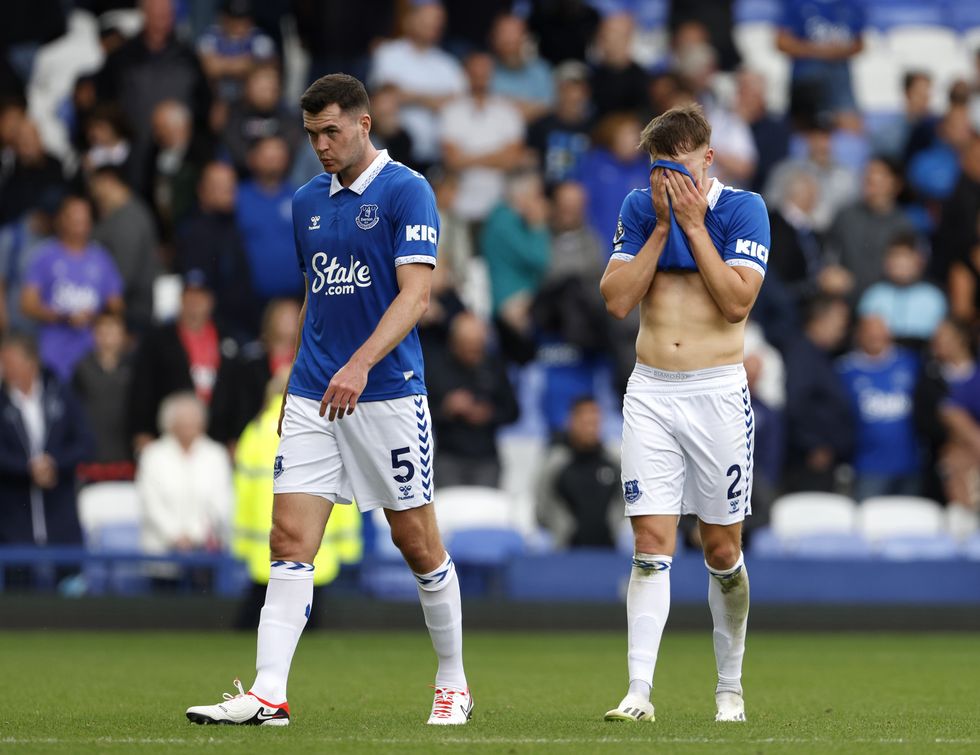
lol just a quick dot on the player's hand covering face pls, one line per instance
(658, 193)
(688, 202)
(338, 138)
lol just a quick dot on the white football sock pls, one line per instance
(443, 610)
(288, 602)
(647, 606)
(728, 598)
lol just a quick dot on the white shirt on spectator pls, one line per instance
(730, 136)
(480, 129)
(184, 493)
(431, 72)
(31, 408)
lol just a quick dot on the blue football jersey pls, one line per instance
(737, 222)
(349, 242)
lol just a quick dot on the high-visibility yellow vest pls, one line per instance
(254, 458)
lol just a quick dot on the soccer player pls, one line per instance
(692, 253)
(355, 422)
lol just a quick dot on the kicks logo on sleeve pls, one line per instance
(752, 249)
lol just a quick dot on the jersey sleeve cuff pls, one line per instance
(425, 259)
(739, 262)
(622, 256)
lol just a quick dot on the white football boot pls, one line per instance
(631, 709)
(243, 709)
(451, 707)
(731, 706)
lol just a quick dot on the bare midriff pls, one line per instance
(681, 327)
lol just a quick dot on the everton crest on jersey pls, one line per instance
(349, 243)
(736, 221)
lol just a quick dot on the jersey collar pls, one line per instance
(360, 184)
(713, 193)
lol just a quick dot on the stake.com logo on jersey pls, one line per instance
(335, 277)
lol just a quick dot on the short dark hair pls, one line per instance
(22, 340)
(581, 400)
(820, 305)
(681, 129)
(911, 77)
(340, 89)
(907, 239)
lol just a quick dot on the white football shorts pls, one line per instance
(687, 443)
(380, 456)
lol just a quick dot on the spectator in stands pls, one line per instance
(30, 173)
(821, 38)
(230, 48)
(427, 76)
(267, 357)
(387, 131)
(19, 241)
(800, 260)
(184, 482)
(259, 115)
(455, 248)
(618, 83)
(961, 458)
(265, 219)
(735, 153)
(861, 232)
(564, 29)
(210, 241)
(482, 138)
(958, 229)
(177, 159)
(770, 132)
(126, 229)
(911, 307)
(577, 493)
(611, 169)
(252, 521)
(101, 381)
(839, 184)
(341, 36)
(880, 381)
(43, 436)
(819, 420)
(150, 68)
(569, 304)
(190, 354)
(934, 169)
(522, 78)
(916, 122)
(715, 18)
(766, 378)
(964, 284)
(69, 281)
(561, 138)
(517, 247)
(949, 363)
(471, 398)
(108, 143)
(13, 112)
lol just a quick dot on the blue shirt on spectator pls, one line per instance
(911, 311)
(821, 21)
(532, 82)
(266, 224)
(881, 393)
(966, 395)
(607, 179)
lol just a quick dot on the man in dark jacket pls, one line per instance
(471, 396)
(190, 354)
(43, 437)
(819, 421)
(211, 242)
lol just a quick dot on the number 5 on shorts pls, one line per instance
(399, 463)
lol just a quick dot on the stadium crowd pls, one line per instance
(144, 144)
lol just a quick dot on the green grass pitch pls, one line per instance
(535, 693)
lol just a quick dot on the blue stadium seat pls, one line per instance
(940, 547)
(758, 11)
(888, 14)
(971, 548)
(765, 544)
(831, 546)
(963, 15)
(485, 546)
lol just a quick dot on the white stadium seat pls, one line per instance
(884, 517)
(800, 514)
(110, 507)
